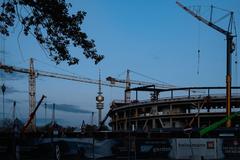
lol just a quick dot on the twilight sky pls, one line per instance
(155, 38)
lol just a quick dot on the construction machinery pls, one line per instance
(128, 83)
(33, 74)
(230, 49)
(32, 115)
(217, 124)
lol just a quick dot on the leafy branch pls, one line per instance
(52, 26)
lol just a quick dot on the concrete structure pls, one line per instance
(195, 107)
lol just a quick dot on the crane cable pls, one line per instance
(236, 56)
(236, 51)
(148, 77)
(198, 44)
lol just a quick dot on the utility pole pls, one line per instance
(45, 107)
(3, 91)
(14, 111)
(92, 118)
(53, 114)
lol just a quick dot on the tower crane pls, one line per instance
(33, 74)
(128, 83)
(11, 69)
(230, 49)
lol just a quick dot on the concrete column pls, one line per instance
(170, 109)
(116, 125)
(153, 123)
(136, 112)
(198, 121)
(154, 110)
(171, 122)
(125, 125)
(125, 115)
(136, 123)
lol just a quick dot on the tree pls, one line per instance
(51, 24)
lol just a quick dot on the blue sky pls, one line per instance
(155, 38)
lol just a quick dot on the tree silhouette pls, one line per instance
(51, 24)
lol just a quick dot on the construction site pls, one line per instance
(154, 120)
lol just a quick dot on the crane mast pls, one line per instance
(32, 94)
(230, 49)
(128, 86)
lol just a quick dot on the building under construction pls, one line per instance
(177, 108)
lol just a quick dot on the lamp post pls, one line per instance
(3, 91)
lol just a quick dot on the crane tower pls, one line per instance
(32, 94)
(229, 50)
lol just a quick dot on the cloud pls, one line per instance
(8, 100)
(43, 121)
(68, 108)
(11, 76)
(10, 90)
